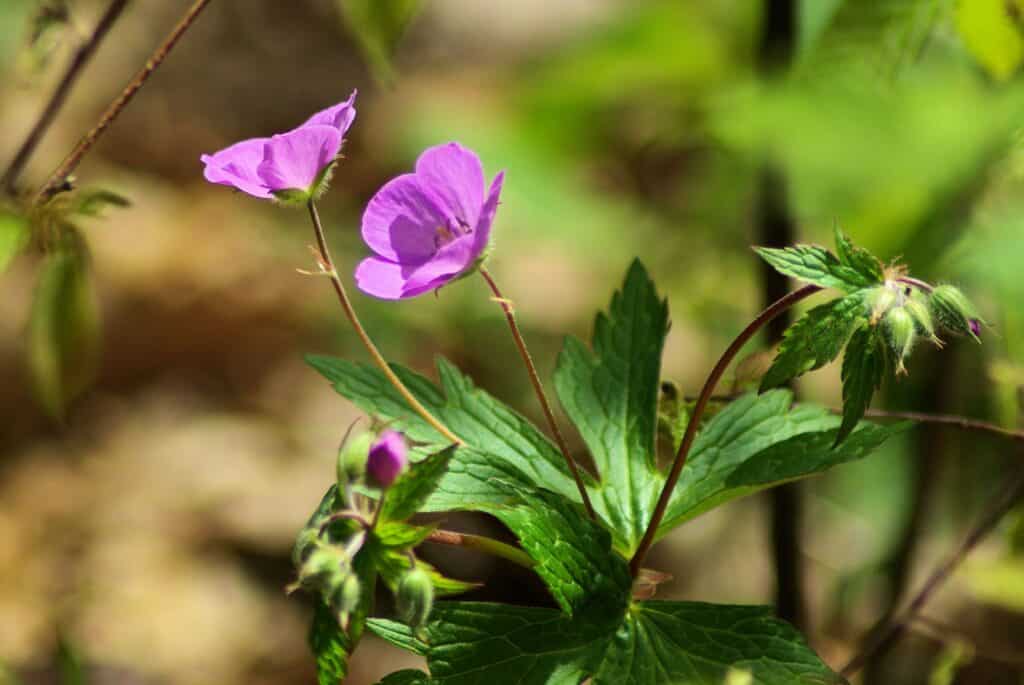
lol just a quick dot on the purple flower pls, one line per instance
(975, 326)
(292, 162)
(428, 227)
(387, 458)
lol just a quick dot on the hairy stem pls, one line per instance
(887, 637)
(378, 358)
(57, 180)
(538, 388)
(961, 422)
(706, 393)
(81, 57)
(483, 544)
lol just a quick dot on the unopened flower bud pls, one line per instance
(387, 459)
(414, 597)
(352, 459)
(923, 318)
(345, 598)
(899, 326)
(955, 312)
(879, 301)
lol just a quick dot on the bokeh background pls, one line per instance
(145, 535)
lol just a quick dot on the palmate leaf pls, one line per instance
(815, 264)
(815, 339)
(599, 634)
(864, 366)
(758, 441)
(330, 646)
(611, 395)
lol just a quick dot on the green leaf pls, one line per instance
(815, 339)
(498, 439)
(574, 554)
(758, 441)
(330, 645)
(378, 25)
(63, 329)
(693, 642)
(92, 202)
(814, 264)
(611, 395)
(992, 32)
(412, 489)
(14, 235)
(683, 643)
(863, 367)
(397, 535)
(859, 259)
(408, 676)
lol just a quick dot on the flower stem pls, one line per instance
(483, 544)
(538, 388)
(56, 181)
(773, 310)
(81, 57)
(378, 358)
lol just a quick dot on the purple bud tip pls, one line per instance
(387, 458)
(975, 327)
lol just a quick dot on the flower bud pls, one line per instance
(900, 328)
(414, 597)
(879, 301)
(387, 459)
(345, 598)
(352, 459)
(923, 318)
(955, 312)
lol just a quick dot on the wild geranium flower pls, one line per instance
(428, 227)
(387, 458)
(292, 166)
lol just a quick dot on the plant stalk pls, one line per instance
(378, 358)
(538, 389)
(483, 544)
(57, 180)
(78, 62)
(776, 308)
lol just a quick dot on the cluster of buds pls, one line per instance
(326, 549)
(909, 309)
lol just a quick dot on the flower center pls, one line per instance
(444, 234)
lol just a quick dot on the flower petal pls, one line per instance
(393, 281)
(237, 166)
(482, 232)
(295, 159)
(401, 222)
(340, 116)
(455, 175)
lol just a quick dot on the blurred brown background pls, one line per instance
(146, 538)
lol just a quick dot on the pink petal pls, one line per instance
(455, 175)
(392, 281)
(482, 233)
(295, 159)
(237, 166)
(340, 116)
(401, 221)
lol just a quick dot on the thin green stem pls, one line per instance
(339, 288)
(773, 310)
(538, 389)
(483, 544)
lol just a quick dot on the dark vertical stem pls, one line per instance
(81, 57)
(775, 229)
(58, 178)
